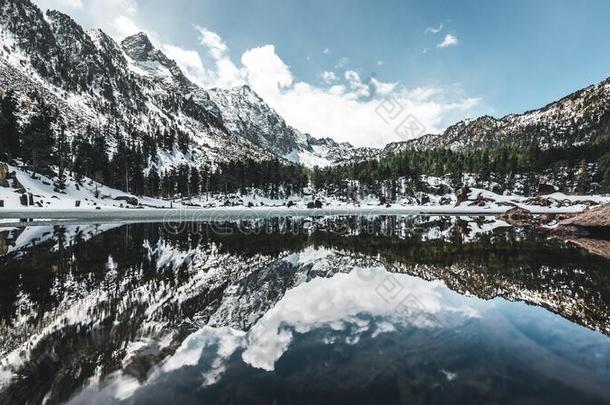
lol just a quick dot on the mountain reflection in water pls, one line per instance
(358, 310)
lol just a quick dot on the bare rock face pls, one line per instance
(589, 230)
(598, 217)
(129, 200)
(462, 195)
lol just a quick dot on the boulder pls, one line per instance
(462, 195)
(4, 175)
(18, 186)
(129, 200)
(545, 189)
(423, 199)
(314, 205)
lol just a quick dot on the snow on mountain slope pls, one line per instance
(578, 118)
(93, 81)
(247, 115)
(134, 87)
(89, 194)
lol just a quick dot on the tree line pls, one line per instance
(131, 162)
(585, 168)
(133, 165)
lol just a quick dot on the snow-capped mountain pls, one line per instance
(579, 118)
(93, 81)
(247, 115)
(134, 87)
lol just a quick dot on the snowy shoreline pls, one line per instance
(237, 213)
(90, 202)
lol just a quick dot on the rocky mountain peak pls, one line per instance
(139, 47)
(153, 62)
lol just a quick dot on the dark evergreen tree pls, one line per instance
(38, 140)
(195, 180)
(62, 159)
(9, 127)
(153, 183)
(182, 180)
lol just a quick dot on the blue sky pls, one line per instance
(503, 57)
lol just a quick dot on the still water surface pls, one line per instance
(312, 311)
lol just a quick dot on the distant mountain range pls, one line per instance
(133, 88)
(93, 80)
(579, 118)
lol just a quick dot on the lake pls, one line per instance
(352, 310)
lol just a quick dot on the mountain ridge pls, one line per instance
(580, 117)
(133, 87)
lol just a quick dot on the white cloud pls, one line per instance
(450, 40)
(226, 73)
(351, 305)
(122, 27)
(265, 71)
(345, 108)
(190, 62)
(434, 30)
(329, 77)
(118, 18)
(217, 47)
(358, 88)
(379, 63)
(326, 51)
(381, 88)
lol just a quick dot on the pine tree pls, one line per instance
(9, 127)
(195, 181)
(182, 180)
(136, 167)
(183, 141)
(153, 183)
(38, 140)
(583, 178)
(100, 164)
(62, 159)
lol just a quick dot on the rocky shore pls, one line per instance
(589, 230)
